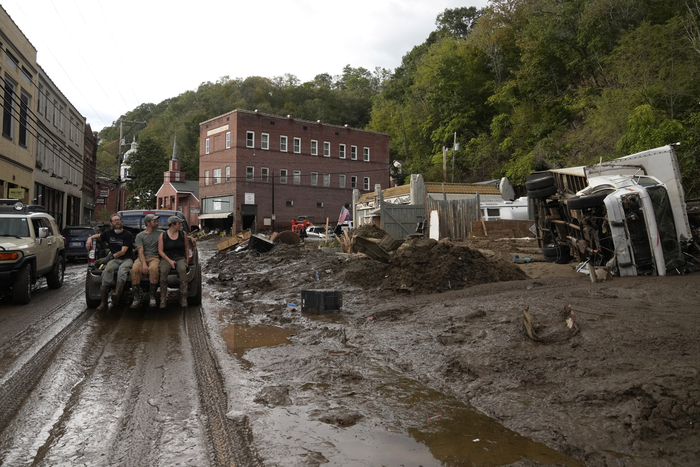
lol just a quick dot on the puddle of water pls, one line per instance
(458, 435)
(241, 337)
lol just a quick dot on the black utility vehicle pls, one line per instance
(133, 221)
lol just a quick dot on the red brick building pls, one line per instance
(178, 194)
(260, 171)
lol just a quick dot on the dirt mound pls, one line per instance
(368, 231)
(428, 266)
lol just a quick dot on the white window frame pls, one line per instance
(314, 178)
(264, 174)
(326, 149)
(206, 177)
(297, 145)
(216, 175)
(283, 176)
(297, 177)
(228, 140)
(228, 173)
(250, 139)
(206, 146)
(341, 151)
(353, 181)
(326, 180)
(365, 183)
(353, 153)
(365, 154)
(250, 173)
(283, 144)
(314, 147)
(341, 180)
(265, 141)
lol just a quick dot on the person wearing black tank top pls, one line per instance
(173, 248)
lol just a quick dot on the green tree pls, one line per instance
(148, 164)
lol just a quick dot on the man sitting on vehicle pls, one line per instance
(147, 261)
(120, 242)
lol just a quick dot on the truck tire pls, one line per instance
(542, 192)
(54, 279)
(587, 201)
(22, 288)
(556, 254)
(196, 299)
(90, 302)
(539, 180)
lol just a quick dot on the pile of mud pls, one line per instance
(428, 266)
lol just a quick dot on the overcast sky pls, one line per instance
(108, 57)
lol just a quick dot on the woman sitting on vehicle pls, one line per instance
(173, 248)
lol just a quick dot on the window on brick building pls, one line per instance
(283, 144)
(206, 146)
(297, 177)
(264, 174)
(341, 151)
(341, 181)
(250, 139)
(8, 118)
(365, 184)
(314, 147)
(366, 154)
(326, 149)
(297, 145)
(314, 178)
(206, 177)
(319, 204)
(326, 179)
(289, 203)
(283, 176)
(264, 141)
(250, 174)
(228, 140)
(228, 174)
(353, 182)
(353, 153)
(216, 174)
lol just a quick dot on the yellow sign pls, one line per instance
(16, 193)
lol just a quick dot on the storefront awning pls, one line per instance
(215, 215)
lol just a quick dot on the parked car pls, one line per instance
(75, 238)
(133, 222)
(317, 232)
(31, 247)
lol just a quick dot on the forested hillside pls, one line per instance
(525, 85)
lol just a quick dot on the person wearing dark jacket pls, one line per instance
(120, 243)
(174, 250)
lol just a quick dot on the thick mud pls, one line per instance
(429, 361)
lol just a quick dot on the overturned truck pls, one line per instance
(628, 214)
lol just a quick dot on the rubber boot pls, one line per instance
(104, 295)
(163, 294)
(152, 293)
(117, 295)
(183, 293)
(136, 290)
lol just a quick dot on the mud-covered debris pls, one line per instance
(340, 417)
(273, 396)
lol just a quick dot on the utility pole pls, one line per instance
(120, 188)
(455, 146)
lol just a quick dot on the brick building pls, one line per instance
(260, 171)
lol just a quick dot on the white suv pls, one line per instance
(31, 246)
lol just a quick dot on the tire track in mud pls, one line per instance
(14, 391)
(230, 440)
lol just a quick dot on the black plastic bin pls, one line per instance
(321, 301)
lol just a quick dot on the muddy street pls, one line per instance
(428, 363)
(122, 387)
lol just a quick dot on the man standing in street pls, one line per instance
(120, 242)
(147, 261)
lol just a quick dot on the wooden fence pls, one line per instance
(456, 216)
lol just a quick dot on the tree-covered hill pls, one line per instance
(524, 84)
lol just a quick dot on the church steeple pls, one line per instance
(173, 174)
